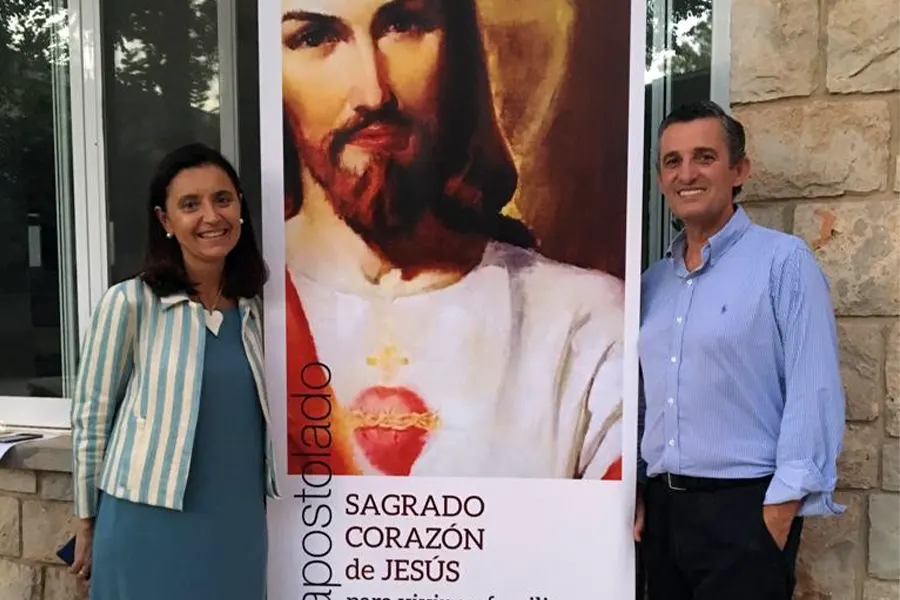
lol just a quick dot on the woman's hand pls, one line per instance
(84, 544)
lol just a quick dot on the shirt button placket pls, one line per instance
(670, 410)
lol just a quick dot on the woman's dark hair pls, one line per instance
(163, 269)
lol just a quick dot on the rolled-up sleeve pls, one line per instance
(105, 364)
(812, 425)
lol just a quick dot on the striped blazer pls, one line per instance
(136, 398)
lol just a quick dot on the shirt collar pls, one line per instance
(718, 244)
(173, 300)
(245, 304)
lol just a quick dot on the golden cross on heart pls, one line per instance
(389, 360)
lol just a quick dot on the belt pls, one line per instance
(687, 483)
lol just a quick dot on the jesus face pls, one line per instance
(361, 86)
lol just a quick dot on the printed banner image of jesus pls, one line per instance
(453, 347)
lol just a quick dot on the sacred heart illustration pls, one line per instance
(391, 426)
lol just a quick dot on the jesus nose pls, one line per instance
(368, 87)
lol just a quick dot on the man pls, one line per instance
(450, 348)
(743, 408)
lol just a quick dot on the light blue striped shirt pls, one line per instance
(137, 395)
(740, 366)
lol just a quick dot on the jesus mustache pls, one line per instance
(378, 170)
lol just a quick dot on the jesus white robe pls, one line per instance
(520, 363)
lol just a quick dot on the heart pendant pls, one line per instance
(214, 321)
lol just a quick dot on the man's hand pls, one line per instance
(639, 513)
(778, 518)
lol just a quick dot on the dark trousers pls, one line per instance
(713, 544)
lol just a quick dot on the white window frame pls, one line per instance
(85, 96)
(229, 119)
(90, 233)
(720, 67)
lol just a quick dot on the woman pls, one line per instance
(170, 428)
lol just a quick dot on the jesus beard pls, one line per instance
(382, 193)
(398, 201)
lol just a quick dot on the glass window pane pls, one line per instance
(38, 332)
(248, 106)
(691, 45)
(678, 63)
(161, 90)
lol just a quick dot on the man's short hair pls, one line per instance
(735, 137)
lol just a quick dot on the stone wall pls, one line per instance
(35, 520)
(816, 84)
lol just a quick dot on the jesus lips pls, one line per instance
(382, 138)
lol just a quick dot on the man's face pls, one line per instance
(695, 172)
(361, 86)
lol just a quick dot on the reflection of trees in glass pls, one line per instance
(29, 48)
(163, 48)
(33, 55)
(160, 59)
(691, 31)
(28, 27)
(160, 66)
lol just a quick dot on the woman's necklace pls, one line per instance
(213, 315)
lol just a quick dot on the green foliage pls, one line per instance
(691, 33)
(163, 47)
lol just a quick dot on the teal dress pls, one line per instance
(216, 548)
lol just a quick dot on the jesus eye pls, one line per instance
(312, 35)
(406, 24)
(416, 19)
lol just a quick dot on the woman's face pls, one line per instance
(203, 213)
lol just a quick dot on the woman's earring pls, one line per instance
(242, 220)
(169, 234)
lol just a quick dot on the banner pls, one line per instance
(451, 216)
